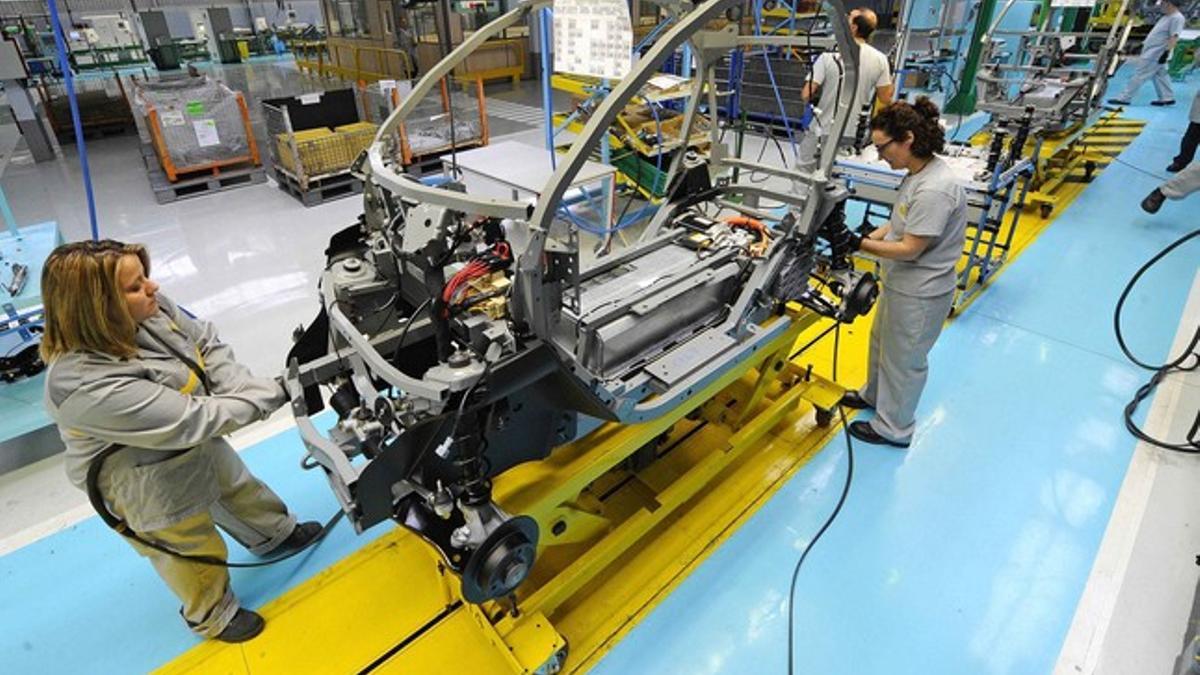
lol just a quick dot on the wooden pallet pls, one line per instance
(166, 192)
(148, 155)
(424, 166)
(198, 183)
(94, 131)
(319, 190)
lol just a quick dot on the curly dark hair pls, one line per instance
(920, 119)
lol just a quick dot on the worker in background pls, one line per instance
(135, 382)
(1152, 62)
(406, 41)
(1191, 139)
(919, 248)
(874, 84)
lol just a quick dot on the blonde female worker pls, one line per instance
(142, 395)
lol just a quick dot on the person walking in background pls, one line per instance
(1152, 62)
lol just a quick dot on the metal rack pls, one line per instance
(1059, 73)
(103, 106)
(644, 137)
(312, 163)
(425, 136)
(165, 149)
(752, 93)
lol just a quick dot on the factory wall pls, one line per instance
(307, 11)
(176, 11)
(179, 23)
(177, 16)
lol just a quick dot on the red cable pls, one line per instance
(474, 269)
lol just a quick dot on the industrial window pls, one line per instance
(350, 18)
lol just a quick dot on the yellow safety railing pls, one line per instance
(365, 64)
(310, 55)
(514, 67)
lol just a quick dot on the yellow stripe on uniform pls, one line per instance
(192, 381)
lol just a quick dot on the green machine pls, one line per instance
(227, 49)
(1183, 57)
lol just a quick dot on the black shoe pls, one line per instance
(1153, 201)
(863, 432)
(1117, 101)
(300, 537)
(1176, 167)
(244, 626)
(852, 399)
(1162, 104)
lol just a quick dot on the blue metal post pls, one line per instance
(544, 24)
(605, 144)
(60, 43)
(8, 215)
(685, 71)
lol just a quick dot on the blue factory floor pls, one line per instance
(968, 553)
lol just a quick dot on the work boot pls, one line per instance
(244, 626)
(1176, 167)
(852, 399)
(300, 537)
(864, 432)
(1161, 103)
(1117, 101)
(1153, 201)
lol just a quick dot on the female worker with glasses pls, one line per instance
(919, 248)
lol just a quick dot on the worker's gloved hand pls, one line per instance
(1163, 58)
(854, 240)
(843, 241)
(861, 233)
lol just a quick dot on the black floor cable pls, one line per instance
(1139, 169)
(1175, 365)
(122, 528)
(832, 516)
(815, 340)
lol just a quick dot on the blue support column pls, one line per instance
(605, 144)
(7, 214)
(547, 17)
(60, 44)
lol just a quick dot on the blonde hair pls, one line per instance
(85, 308)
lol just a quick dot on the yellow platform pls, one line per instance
(1072, 157)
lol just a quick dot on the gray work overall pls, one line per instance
(177, 479)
